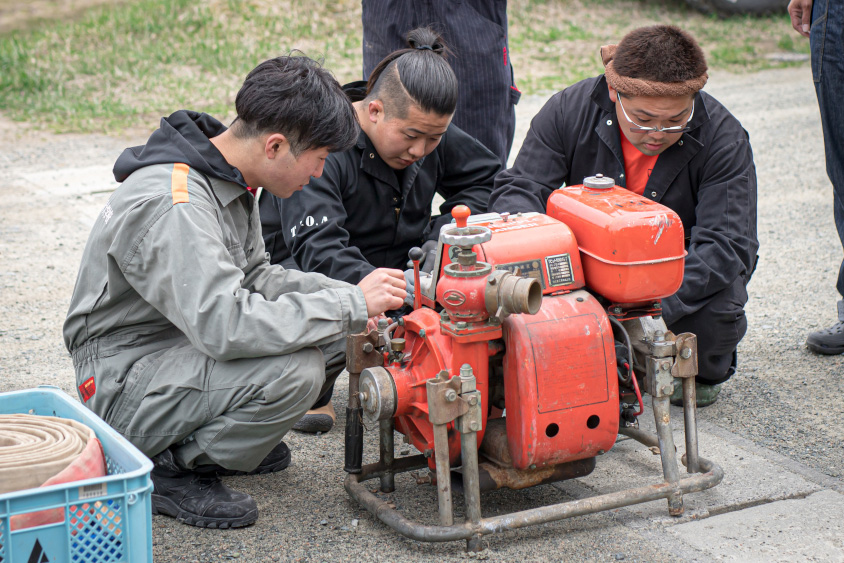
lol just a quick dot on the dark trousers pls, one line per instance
(719, 325)
(827, 38)
(325, 398)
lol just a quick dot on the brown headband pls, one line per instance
(639, 87)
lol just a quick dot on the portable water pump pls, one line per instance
(522, 358)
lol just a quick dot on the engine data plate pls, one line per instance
(559, 269)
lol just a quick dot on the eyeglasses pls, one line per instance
(642, 129)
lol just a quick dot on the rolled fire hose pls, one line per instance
(38, 451)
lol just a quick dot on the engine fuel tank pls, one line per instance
(560, 382)
(631, 248)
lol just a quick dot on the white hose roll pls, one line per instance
(35, 448)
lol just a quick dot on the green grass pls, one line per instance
(113, 67)
(555, 43)
(123, 66)
(733, 55)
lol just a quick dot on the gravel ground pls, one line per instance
(783, 397)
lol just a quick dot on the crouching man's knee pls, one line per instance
(299, 379)
(719, 326)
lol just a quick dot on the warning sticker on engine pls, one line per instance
(559, 269)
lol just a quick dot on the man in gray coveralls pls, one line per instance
(183, 336)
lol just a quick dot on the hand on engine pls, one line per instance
(384, 290)
(424, 283)
(410, 287)
(372, 323)
(429, 256)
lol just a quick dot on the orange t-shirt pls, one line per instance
(637, 166)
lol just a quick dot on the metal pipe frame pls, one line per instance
(667, 452)
(443, 475)
(471, 484)
(710, 475)
(386, 449)
(690, 424)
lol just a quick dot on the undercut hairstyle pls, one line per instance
(419, 74)
(297, 97)
(659, 53)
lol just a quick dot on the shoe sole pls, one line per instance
(314, 423)
(161, 505)
(825, 350)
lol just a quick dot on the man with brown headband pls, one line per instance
(646, 124)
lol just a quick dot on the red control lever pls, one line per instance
(415, 255)
(461, 214)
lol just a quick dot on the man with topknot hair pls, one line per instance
(373, 202)
(646, 123)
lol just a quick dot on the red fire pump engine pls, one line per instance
(517, 362)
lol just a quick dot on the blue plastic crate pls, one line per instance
(106, 519)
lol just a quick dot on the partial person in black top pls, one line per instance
(476, 32)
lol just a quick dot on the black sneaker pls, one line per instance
(276, 460)
(198, 498)
(829, 340)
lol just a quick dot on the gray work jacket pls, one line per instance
(171, 252)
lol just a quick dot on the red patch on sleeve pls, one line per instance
(87, 389)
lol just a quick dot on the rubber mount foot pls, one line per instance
(162, 505)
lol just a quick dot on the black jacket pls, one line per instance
(357, 216)
(708, 178)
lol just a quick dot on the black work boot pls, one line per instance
(829, 340)
(276, 460)
(198, 497)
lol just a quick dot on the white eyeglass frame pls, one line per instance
(642, 129)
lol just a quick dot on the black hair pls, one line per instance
(660, 53)
(419, 73)
(297, 97)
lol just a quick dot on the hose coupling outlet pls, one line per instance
(507, 294)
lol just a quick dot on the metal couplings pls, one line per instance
(512, 294)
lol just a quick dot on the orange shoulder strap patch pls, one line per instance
(179, 183)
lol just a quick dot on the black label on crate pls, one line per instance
(559, 269)
(38, 555)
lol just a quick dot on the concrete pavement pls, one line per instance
(775, 430)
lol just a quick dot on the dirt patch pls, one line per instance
(15, 14)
